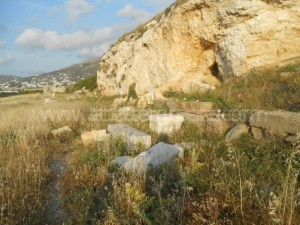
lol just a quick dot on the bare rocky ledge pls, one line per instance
(196, 45)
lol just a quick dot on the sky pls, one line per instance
(38, 36)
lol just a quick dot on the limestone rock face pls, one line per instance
(197, 43)
(149, 98)
(118, 102)
(278, 123)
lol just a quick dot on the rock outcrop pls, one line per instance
(66, 130)
(217, 124)
(94, 136)
(236, 132)
(195, 44)
(165, 123)
(279, 123)
(157, 155)
(132, 136)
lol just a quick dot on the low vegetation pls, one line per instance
(25, 148)
(245, 182)
(268, 89)
(131, 92)
(215, 183)
(90, 83)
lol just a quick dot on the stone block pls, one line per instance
(132, 135)
(165, 123)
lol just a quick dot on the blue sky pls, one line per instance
(38, 36)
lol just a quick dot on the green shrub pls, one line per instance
(182, 96)
(288, 68)
(168, 10)
(131, 92)
(89, 83)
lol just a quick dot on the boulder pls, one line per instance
(85, 91)
(132, 102)
(217, 125)
(130, 134)
(236, 132)
(120, 161)
(257, 133)
(278, 123)
(118, 102)
(191, 86)
(165, 123)
(149, 99)
(197, 120)
(61, 131)
(59, 89)
(157, 155)
(200, 107)
(187, 145)
(94, 136)
(174, 105)
(295, 139)
(78, 92)
(190, 107)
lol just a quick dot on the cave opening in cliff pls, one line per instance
(214, 69)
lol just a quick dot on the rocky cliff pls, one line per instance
(196, 44)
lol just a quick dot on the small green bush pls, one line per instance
(168, 10)
(131, 92)
(89, 83)
(288, 68)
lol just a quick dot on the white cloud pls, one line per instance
(159, 2)
(88, 44)
(94, 51)
(2, 44)
(6, 59)
(51, 40)
(138, 15)
(77, 8)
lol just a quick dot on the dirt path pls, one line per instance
(55, 214)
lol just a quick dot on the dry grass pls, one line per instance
(25, 148)
(247, 182)
(264, 89)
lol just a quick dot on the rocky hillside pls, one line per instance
(196, 44)
(7, 78)
(66, 76)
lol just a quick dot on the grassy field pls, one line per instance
(25, 147)
(245, 182)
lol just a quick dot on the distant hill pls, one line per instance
(75, 72)
(66, 76)
(8, 78)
